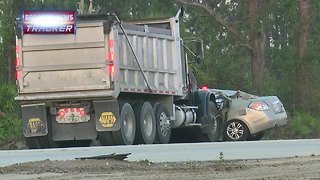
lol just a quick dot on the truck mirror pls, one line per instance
(182, 11)
(179, 14)
(200, 53)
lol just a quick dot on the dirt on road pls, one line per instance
(287, 168)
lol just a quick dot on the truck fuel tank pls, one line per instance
(184, 115)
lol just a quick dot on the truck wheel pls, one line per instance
(106, 138)
(146, 123)
(33, 142)
(75, 143)
(163, 125)
(235, 130)
(40, 142)
(215, 126)
(126, 134)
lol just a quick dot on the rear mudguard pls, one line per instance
(107, 115)
(201, 99)
(34, 120)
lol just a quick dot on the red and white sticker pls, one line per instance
(49, 22)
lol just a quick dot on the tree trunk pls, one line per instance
(81, 7)
(305, 24)
(302, 65)
(258, 59)
(90, 11)
(257, 43)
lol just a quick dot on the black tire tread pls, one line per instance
(141, 138)
(117, 135)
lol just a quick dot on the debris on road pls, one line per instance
(113, 156)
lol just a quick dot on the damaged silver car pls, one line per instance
(246, 116)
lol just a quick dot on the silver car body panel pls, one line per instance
(256, 121)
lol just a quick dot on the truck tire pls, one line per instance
(215, 126)
(106, 138)
(40, 142)
(35, 142)
(235, 130)
(126, 134)
(75, 143)
(163, 133)
(146, 123)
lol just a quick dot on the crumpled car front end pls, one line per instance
(246, 116)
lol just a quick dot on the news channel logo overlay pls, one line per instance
(49, 22)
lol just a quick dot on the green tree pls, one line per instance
(9, 10)
(244, 21)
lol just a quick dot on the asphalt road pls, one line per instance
(174, 152)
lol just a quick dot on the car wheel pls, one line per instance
(163, 125)
(236, 130)
(256, 137)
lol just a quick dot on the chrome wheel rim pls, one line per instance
(235, 130)
(163, 123)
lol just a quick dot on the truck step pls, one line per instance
(188, 107)
(193, 124)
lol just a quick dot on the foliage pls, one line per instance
(221, 157)
(227, 62)
(10, 122)
(300, 126)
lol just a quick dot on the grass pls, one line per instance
(300, 125)
(10, 121)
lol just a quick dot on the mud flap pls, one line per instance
(107, 115)
(76, 131)
(34, 119)
(202, 98)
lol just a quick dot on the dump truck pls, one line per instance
(121, 83)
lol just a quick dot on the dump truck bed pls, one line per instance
(97, 61)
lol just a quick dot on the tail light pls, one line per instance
(111, 57)
(111, 69)
(62, 113)
(18, 74)
(82, 113)
(18, 48)
(18, 61)
(259, 106)
(204, 87)
(72, 115)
